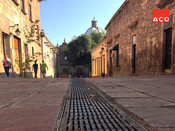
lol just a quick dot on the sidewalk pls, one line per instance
(151, 98)
(30, 104)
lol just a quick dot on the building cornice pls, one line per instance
(118, 12)
(133, 24)
(109, 41)
(117, 36)
(162, 3)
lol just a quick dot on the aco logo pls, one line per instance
(161, 15)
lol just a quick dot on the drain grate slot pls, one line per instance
(86, 110)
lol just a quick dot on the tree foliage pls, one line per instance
(96, 37)
(32, 34)
(25, 65)
(78, 51)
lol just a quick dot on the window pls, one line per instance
(22, 4)
(6, 44)
(23, 7)
(134, 54)
(30, 12)
(134, 40)
(32, 51)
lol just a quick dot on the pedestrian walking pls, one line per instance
(35, 67)
(7, 64)
(43, 68)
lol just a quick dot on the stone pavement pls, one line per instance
(149, 99)
(30, 104)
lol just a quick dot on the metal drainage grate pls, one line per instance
(87, 110)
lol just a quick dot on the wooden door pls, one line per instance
(16, 49)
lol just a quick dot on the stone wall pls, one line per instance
(11, 13)
(135, 18)
(99, 59)
(49, 57)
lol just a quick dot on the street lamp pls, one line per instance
(17, 30)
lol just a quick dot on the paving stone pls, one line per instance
(30, 104)
(151, 98)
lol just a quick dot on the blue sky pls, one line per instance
(68, 18)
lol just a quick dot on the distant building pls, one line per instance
(14, 16)
(49, 57)
(64, 69)
(99, 61)
(93, 28)
(137, 45)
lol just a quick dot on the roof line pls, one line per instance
(48, 40)
(118, 12)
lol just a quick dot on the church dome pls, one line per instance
(93, 28)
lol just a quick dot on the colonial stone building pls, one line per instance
(65, 69)
(137, 45)
(14, 16)
(49, 57)
(99, 59)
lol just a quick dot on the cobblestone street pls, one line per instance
(36, 104)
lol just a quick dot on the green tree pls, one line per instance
(96, 37)
(25, 65)
(78, 51)
(32, 34)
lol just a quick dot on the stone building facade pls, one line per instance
(99, 59)
(49, 57)
(137, 45)
(15, 15)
